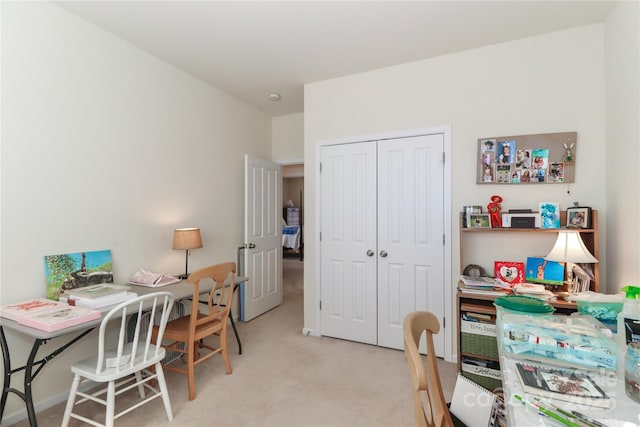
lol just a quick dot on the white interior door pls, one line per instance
(348, 242)
(263, 241)
(410, 234)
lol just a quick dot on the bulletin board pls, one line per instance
(546, 158)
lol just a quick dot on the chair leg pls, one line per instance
(191, 354)
(138, 376)
(225, 353)
(71, 400)
(165, 392)
(111, 404)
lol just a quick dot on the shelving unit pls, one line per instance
(477, 342)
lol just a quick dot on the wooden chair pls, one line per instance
(430, 407)
(186, 334)
(121, 364)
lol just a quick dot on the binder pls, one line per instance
(473, 404)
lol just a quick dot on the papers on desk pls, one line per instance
(98, 296)
(21, 309)
(144, 277)
(59, 318)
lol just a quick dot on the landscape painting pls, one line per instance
(69, 271)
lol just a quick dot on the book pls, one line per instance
(144, 277)
(59, 317)
(473, 404)
(97, 291)
(566, 384)
(100, 302)
(20, 309)
(462, 287)
(483, 283)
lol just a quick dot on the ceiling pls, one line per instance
(250, 49)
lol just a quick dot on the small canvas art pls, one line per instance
(549, 215)
(69, 271)
(540, 270)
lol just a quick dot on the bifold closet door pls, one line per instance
(348, 242)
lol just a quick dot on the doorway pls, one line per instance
(293, 225)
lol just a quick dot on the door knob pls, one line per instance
(252, 246)
(370, 252)
(383, 254)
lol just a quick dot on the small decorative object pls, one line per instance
(509, 272)
(579, 217)
(474, 270)
(540, 270)
(549, 215)
(568, 156)
(479, 221)
(494, 209)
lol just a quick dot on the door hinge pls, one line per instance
(321, 236)
(320, 167)
(444, 323)
(320, 305)
(443, 158)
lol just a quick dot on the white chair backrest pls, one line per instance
(127, 350)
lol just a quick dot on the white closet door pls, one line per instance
(348, 224)
(410, 233)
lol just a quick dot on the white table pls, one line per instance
(32, 368)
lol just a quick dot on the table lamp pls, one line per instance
(186, 239)
(570, 249)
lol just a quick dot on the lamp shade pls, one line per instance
(186, 238)
(569, 247)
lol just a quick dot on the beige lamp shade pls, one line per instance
(186, 238)
(569, 247)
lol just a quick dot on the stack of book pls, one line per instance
(483, 286)
(98, 296)
(47, 315)
(144, 277)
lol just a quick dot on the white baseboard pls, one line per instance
(310, 332)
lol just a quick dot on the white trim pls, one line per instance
(449, 353)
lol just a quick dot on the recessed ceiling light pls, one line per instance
(274, 97)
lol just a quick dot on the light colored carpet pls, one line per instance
(286, 379)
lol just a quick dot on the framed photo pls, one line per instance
(509, 272)
(539, 270)
(481, 220)
(579, 217)
(467, 210)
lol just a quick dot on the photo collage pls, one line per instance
(504, 163)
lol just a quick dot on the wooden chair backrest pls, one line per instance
(219, 299)
(126, 346)
(429, 403)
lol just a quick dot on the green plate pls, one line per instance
(524, 303)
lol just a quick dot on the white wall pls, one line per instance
(288, 138)
(549, 83)
(622, 47)
(106, 147)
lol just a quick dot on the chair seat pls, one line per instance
(180, 327)
(87, 367)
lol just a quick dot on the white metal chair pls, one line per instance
(124, 365)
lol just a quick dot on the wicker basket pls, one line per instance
(478, 338)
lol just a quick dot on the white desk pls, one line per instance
(32, 368)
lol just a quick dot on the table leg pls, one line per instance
(6, 384)
(235, 332)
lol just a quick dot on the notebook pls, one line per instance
(473, 404)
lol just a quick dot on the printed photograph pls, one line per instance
(523, 159)
(556, 172)
(503, 174)
(506, 152)
(540, 158)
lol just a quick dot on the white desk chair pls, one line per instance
(121, 364)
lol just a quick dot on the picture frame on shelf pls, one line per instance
(481, 220)
(509, 272)
(470, 209)
(579, 217)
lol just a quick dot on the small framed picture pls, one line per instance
(549, 215)
(478, 221)
(579, 217)
(509, 272)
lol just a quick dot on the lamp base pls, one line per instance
(182, 276)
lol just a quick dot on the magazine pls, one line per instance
(144, 277)
(562, 383)
(35, 305)
(60, 317)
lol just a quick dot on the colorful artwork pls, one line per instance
(549, 215)
(539, 270)
(69, 271)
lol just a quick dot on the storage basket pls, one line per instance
(478, 338)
